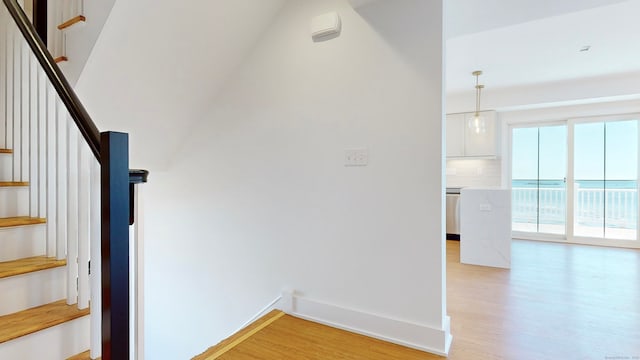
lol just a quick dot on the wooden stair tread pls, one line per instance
(13, 183)
(74, 20)
(28, 265)
(28, 321)
(6, 151)
(83, 356)
(20, 221)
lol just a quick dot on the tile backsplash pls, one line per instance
(473, 172)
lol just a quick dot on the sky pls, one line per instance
(602, 151)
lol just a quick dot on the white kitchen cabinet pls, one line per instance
(455, 135)
(463, 141)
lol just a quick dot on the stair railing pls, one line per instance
(85, 199)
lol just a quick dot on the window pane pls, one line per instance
(552, 187)
(621, 206)
(524, 177)
(589, 178)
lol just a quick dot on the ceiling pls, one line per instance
(526, 42)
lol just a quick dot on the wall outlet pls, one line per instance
(356, 157)
(485, 207)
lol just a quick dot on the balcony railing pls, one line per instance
(594, 208)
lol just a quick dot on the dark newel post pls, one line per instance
(114, 156)
(40, 19)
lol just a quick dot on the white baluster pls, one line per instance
(83, 224)
(9, 95)
(15, 116)
(96, 263)
(54, 248)
(61, 183)
(42, 116)
(34, 144)
(4, 23)
(25, 106)
(137, 277)
(72, 212)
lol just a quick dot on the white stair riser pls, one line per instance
(25, 291)
(14, 201)
(55, 343)
(22, 241)
(5, 167)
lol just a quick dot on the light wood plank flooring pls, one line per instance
(557, 302)
(279, 336)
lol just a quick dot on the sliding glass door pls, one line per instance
(605, 180)
(539, 168)
(599, 202)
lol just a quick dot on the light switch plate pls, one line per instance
(356, 157)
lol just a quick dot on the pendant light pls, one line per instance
(477, 123)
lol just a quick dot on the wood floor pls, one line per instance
(284, 337)
(557, 302)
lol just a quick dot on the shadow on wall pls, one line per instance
(392, 20)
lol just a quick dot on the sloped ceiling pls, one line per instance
(359, 3)
(159, 63)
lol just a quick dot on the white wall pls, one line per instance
(259, 200)
(158, 63)
(80, 41)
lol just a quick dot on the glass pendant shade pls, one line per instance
(477, 122)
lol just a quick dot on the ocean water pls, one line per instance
(583, 184)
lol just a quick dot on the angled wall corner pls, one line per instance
(360, 3)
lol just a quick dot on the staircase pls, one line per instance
(34, 314)
(55, 170)
(40, 317)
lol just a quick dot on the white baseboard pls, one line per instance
(268, 308)
(417, 336)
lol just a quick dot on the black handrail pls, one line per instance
(78, 113)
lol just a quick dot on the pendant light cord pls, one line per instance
(478, 94)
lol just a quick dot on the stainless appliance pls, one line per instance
(453, 214)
